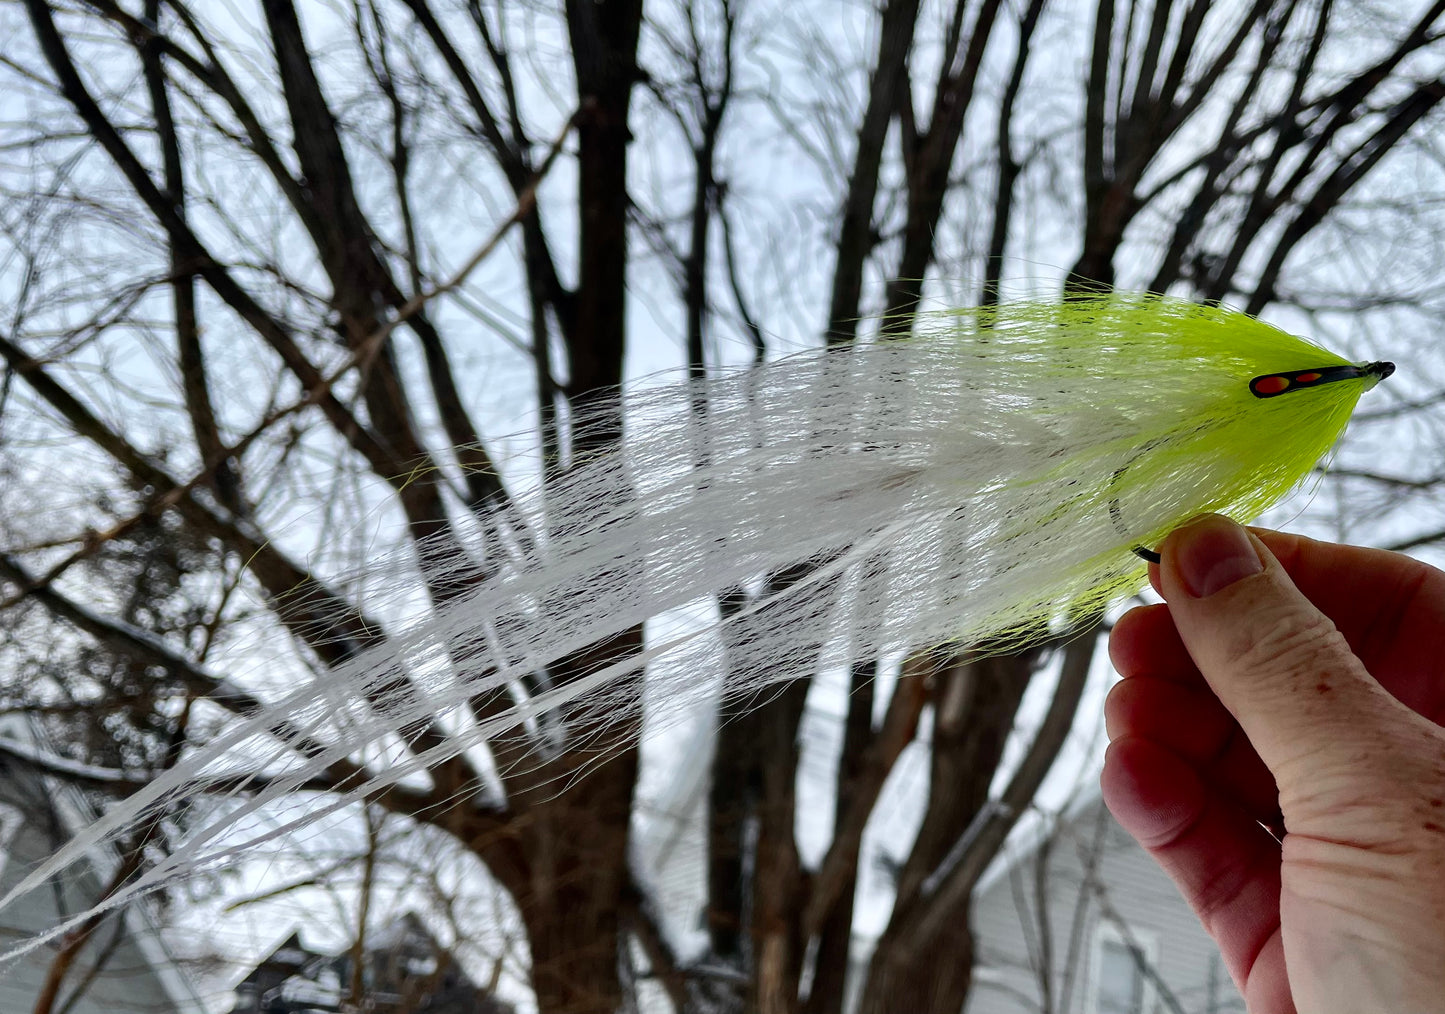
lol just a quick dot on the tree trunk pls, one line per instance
(575, 849)
(975, 707)
(934, 982)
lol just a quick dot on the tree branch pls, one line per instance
(855, 234)
(949, 886)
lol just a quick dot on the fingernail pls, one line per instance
(1211, 553)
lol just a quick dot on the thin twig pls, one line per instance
(361, 358)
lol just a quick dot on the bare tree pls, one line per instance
(230, 250)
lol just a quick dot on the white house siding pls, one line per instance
(671, 856)
(129, 982)
(1009, 975)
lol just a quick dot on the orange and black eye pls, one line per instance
(1271, 385)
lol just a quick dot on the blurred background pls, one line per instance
(288, 286)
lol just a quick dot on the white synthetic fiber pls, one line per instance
(982, 482)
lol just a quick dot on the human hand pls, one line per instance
(1300, 686)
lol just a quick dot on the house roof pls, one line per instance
(26, 744)
(1027, 837)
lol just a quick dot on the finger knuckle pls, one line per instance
(1288, 643)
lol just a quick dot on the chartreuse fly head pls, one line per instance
(1211, 410)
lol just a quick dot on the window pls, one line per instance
(10, 820)
(1119, 982)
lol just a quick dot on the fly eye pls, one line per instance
(1265, 387)
(1272, 384)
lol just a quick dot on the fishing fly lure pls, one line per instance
(994, 477)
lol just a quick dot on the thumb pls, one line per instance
(1275, 661)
